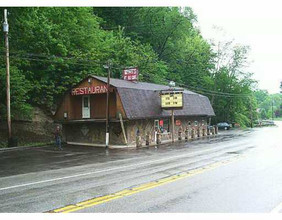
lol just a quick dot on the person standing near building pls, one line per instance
(58, 137)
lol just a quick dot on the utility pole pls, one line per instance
(172, 85)
(6, 31)
(172, 127)
(108, 104)
(251, 109)
(272, 109)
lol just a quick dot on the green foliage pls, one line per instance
(19, 87)
(229, 77)
(269, 105)
(58, 47)
(171, 35)
(53, 48)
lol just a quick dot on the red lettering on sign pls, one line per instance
(130, 74)
(89, 90)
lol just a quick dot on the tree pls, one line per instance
(229, 76)
(58, 47)
(171, 33)
(20, 87)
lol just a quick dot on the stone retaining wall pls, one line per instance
(37, 130)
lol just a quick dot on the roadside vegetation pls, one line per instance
(269, 105)
(51, 49)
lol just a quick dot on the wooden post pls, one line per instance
(172, 127)
(159, 138)
(122, 127)
(138, 140)
(147, 138)
(180, 134)
(186, 134)
(6, 30)
(107, 105)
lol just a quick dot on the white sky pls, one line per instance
(254, 23)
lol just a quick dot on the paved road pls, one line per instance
(237, 171)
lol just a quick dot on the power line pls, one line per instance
(216, 92)
(31, 55)
(91, 63)
(211, 92)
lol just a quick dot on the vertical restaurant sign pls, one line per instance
(88, 90)
(131, 74)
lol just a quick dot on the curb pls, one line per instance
(22, 147)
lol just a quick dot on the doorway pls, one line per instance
(86, 106)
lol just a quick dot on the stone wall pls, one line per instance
(93, 133)
(37, 130)
(144, 127)
(145, 130)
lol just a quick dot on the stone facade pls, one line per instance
(138, 132)
(92, 133)
(142, 132)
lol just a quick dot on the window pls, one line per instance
(85, 102)
(86, 107)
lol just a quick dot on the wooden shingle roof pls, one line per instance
(141, 100)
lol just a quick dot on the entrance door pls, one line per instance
(86, 106)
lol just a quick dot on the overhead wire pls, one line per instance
(212, 92)
(91, 63)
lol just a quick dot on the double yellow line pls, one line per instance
(140, 188)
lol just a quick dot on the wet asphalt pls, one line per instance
(21, 161)
(42, 179)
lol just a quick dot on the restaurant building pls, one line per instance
(135, 114)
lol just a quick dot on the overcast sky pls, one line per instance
(254, 23)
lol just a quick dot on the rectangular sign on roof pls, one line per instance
(130, 74)
(171, 99)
